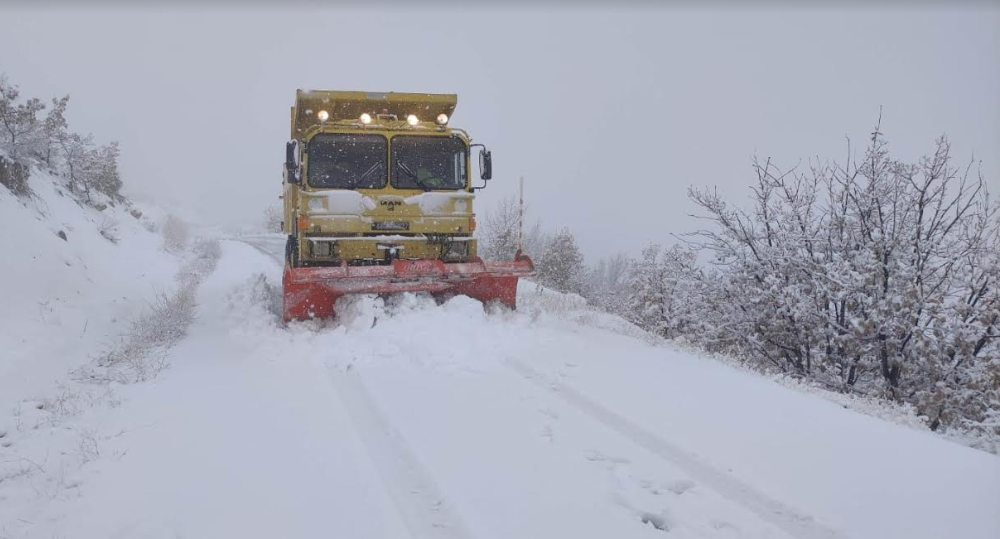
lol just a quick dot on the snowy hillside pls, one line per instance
(409, 419)
(74, 275)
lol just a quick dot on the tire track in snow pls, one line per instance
(410, 486)
(413, 491)
(784, 517)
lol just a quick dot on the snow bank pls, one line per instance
(72, 278)
(537, 299)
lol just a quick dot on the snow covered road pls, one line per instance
(409, 419)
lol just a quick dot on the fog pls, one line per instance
(610, 117)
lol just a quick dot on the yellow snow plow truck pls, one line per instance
(378, 199)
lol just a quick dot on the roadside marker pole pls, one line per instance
(520, 216)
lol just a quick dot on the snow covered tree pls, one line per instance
(646, 305)
(498, 234)
(272, 218)
(561, 264)
(20, 130)
(662, 285)
(536, 240)
(19, 135)
(878, 277)
(606, 284)
(53, 129)
(104, 170)
(90, 168)
(499, 231)
(75, 152)
(26, 141)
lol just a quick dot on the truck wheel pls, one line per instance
(292, 251)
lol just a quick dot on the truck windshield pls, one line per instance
(422, 162)
(347, 161)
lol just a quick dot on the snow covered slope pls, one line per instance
(410, 419)
(64, 298)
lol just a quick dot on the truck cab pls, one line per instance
(374, 177)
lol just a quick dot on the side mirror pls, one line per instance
(485, 164)
(292, 162)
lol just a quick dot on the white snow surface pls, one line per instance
(404, 418)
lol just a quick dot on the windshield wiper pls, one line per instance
(414, 176)
(373, 168)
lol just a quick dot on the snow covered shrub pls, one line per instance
(14, 176)
(175, 234)
(561, 264)
(272, 218)
(663, 291)
(109, 229)
(499, 232)
(879, 278)
(140, 353)
(149, 224)
(91, 169)
(606, 284)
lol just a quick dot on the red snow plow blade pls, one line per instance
(311, 292)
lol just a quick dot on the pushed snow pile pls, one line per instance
(361, 321)
(540, 300)
(365, 311)
(531, 295)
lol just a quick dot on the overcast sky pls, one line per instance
(609, 116)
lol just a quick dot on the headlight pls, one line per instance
(456, 249)
(442, 119)
(315, 204)
(322, 249)
(366, 118)
(323, 115)
(412, 119)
